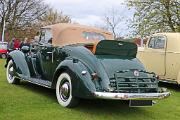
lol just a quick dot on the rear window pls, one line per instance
(93, 36)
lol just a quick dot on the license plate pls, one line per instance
(140, 103)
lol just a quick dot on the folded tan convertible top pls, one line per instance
(66, 34)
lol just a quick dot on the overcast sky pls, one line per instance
(91, 12)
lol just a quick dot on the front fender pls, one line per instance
(178, 77)
(82, 85)
(20, 63)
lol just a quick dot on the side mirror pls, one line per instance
(25, 49)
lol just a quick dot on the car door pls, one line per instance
(155, 55)
(46, 54)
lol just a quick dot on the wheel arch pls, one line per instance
(7, 60)
(56, 75)
(82, 85)
(20, 63)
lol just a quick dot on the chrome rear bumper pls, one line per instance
(131, 96)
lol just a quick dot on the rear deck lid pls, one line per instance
(112, 64)
(114, 47)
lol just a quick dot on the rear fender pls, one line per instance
(20, 63)
(82, 84)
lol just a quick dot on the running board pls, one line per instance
(40, 82)
(168, 81)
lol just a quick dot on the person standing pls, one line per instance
(16, 44)
(25, 43)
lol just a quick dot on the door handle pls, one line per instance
(52, 59)
(49, 52)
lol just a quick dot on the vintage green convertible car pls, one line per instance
(83, 62)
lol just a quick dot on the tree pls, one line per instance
(52, 17)
(155, 16)
(113, 19)
(20, 14)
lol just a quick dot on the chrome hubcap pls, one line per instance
(65, 91)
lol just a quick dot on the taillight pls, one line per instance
(94, 76)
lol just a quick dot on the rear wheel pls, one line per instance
(3, 56)
(64, 91)
(10, 73)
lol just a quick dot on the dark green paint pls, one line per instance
(119, 48)
(114, 63)
(21, 65)
(45, 63)
(90, 61)
(82, 84)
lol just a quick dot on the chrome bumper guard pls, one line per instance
(131, 96)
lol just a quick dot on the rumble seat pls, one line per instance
(92, 47)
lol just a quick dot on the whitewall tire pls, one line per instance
(10, 71)
(64, 91)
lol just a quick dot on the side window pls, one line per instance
(46, 36)
(152, 42)
(93, 36)
(42, 36)
(157, 42)
(160, 43)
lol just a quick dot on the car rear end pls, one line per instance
(140, 89)
(128, 79)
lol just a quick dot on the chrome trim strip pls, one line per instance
(37, 83)
(131, 96)
(172, 52)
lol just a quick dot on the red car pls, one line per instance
(3, 49)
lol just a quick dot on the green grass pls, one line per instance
(31, 102)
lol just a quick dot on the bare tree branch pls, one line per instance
(113, 18)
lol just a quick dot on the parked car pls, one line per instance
(3, 49)
(84, 62)
(161, 55)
